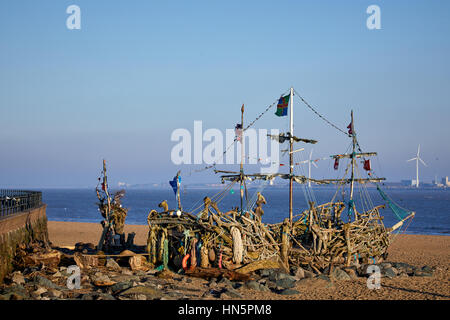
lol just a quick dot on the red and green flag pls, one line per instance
(282, 106)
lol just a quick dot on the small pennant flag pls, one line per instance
(238, 132)
(282, 106)
(367, 166)
(350, 126)
(336, 163)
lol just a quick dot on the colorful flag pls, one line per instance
(336, 163)
(282, 106)
(367, 165)
(174, 183)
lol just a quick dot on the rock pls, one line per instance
(407, 268)
(289, 292)
(15, 292)
(309, 274)
(423, 272)
(403, 274)
(352, 273)
(17, 278)
(44, 282)
(339, 274)
(55, 293)
(88, 296)
(105, 296)
(285, 283)
(138, 263)
(121, 286)
(165, 274)
(300, 274)
(85, 261)
(278, 275)
(212, 283)
(389, 273)
(253, 285)
(141, 273)
(150, 293)
(141, 297)
(226, 282)
(38, 292)
(232, 293)
(127, 272)
(49, 259)
(385, 265)
(57, 274)
(323, 277)
(428, 270)
(101, 280)
(111, 264)
(264, 272)
(271, 285)
(237, 285)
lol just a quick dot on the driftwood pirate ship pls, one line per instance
(208, 241)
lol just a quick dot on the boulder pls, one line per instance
(339, 274)
(352, 273)
(288, 292)
(253, 285)
(111, 264)
(121, 286)
(231, 293)
(389, 273)
(138, 263)
(150, 293)
(285, 283)
(44, 282)
(226, 282)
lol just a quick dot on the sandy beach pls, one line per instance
(417, 250)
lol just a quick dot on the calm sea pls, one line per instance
(432, 207)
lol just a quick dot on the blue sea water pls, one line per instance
(432, 206)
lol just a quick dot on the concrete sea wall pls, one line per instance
(23, 227)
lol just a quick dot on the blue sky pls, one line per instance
(137, 70)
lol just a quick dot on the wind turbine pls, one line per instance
(310, 161)
(417, 158)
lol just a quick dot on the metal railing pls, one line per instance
(16, 201)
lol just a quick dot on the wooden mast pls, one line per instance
(353, 157)
(242, 161)
(108, 209)
(291, 155)
(178, 191)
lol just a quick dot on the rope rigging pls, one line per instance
(319, 115)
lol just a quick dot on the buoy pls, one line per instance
(184, 262)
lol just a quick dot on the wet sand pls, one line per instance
(417, 250)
